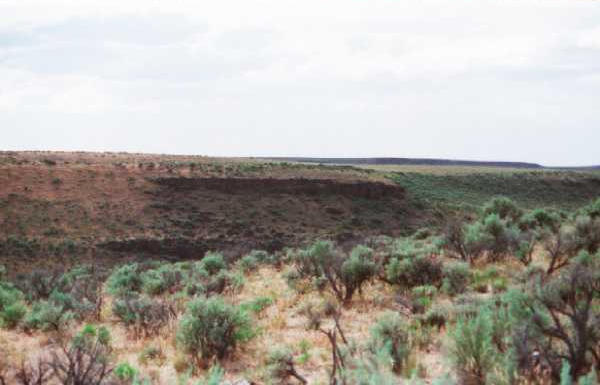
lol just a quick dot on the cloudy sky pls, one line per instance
(490, 80)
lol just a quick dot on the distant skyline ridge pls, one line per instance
(340, 160)
(422, 162)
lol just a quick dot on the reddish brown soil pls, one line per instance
(73, 207)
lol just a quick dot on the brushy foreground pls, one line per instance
(507, 297)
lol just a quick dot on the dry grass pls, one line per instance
(280, 324)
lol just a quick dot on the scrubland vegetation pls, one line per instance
(506, 296)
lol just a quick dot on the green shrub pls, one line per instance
(472, 349)
(541, 219)
(257, 305)
(46, 316)
(152, 353)
(505, 208)
(200, 282)
(574, 293)
(125, 372)
(167, 277)
(211, 328)
(358, 269)
(390, 333)
(124, 280)
(456, 277)
(280, 366)
(12, 309)
(491, 235)
(144, 316)
(12, 314)
(326, 266)
(410, 272)
(587, 233)
(213, 263)
(214, 376)
(248, 263)
(86, 361)
(422, 297)
(593, 209)
(436, 316)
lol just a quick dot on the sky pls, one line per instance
(514, 80)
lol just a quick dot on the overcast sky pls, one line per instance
(467, 79)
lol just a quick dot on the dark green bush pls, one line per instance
(211, 328)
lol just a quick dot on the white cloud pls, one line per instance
(342, 77)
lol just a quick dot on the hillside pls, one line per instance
(106, 207)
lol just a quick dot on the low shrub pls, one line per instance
(211, 328)
(457, 276)
(47, 316)
(436, 316)
(422, 297)
(472, 348)
(325, 266)
(391, 334)
(248, 263)
(152, 354)
(257, 305)
(125, 373)
(142, 315)
(280, 366)
(410, 272)
(87, 360)
(124, 280)
(505, 208)
(167, 277)
(12, 308)
(11, 315)
(213, 263)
